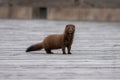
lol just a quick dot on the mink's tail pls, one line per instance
(35, 47)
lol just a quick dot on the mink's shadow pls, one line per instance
(44, 53)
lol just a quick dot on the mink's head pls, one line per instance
(70, 29)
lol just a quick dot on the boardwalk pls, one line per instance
(96, 51)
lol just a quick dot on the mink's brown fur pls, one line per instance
(56, 41)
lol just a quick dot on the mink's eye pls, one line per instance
(67, 26)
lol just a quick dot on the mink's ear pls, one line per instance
(67, 26)
(74, 26)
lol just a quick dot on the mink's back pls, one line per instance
(53, 41)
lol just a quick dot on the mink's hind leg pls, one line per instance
(48, 51)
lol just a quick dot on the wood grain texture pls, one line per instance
(96, 51)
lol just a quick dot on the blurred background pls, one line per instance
(84, 10)
(96, 46)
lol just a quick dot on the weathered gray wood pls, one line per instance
(96, 51)
(64, 3)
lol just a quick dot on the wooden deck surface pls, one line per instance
(96, 51)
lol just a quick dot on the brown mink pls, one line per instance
(56, 41)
